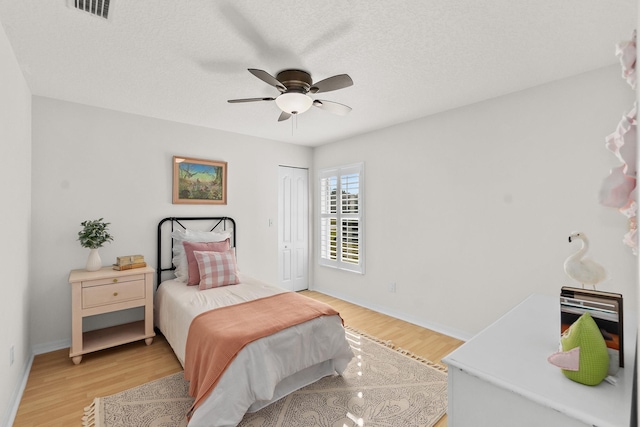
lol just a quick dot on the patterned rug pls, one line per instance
(383, 386)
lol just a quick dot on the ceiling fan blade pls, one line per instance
(234, 101)
(332, 107)
(284, 116)
(267, 78)
(332, 83)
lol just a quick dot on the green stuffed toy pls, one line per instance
(584, 357)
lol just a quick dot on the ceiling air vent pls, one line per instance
(94, 7)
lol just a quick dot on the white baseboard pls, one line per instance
(17, 395)
(51, 346)
(452, 332)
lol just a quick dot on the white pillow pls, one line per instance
(196, 234)
(180, 257)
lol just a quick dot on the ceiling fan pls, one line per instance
(295, 87)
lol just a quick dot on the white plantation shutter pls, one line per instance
(328, 203)
(341, 217)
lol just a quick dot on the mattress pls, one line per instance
(266, 369)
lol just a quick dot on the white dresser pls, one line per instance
(501, 376)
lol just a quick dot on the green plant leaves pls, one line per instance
(94, 233)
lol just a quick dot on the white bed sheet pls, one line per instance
(266, 369)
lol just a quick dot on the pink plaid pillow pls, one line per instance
(193, 277)
(217, 269)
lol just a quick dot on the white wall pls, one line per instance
(15, 214)
(469, 211)
(90, 163)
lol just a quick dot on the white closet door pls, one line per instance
(293, 228)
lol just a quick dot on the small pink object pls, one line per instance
(567, 360)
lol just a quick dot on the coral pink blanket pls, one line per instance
(217, 336)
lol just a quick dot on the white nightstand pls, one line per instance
(105, 291)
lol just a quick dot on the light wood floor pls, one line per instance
(57, 390)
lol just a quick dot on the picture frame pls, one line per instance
(198, 181)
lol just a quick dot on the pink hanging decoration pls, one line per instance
(626, 52)
(619, 188)
(623, 142)
(631, 211)
(631, 238)
(616, 188)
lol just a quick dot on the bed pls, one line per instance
(264, 370)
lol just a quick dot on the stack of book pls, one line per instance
(129, 262)
(605, 308)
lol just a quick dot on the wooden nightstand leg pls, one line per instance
(148, 341)
(76, 322)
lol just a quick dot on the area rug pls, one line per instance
(383, 386)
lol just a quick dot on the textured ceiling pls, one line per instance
(181, 60)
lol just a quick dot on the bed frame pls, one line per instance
(168, 225)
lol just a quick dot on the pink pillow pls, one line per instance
(193, 278)
(217, 269)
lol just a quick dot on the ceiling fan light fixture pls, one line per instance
(294, 102)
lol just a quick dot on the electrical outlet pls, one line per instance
(11, 355)
(392, 287)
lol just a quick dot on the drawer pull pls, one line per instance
(115, 294)
(115, 280)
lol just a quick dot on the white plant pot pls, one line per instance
(94, 263)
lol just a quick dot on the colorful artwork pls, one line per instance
(199, 181)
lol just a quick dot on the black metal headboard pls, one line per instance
(168, 225)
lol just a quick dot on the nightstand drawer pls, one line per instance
(112, 280)
(112, 293)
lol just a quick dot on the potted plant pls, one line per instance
(93, 235)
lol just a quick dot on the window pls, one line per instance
(342, 217)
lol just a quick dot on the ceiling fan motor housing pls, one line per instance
(295, 80)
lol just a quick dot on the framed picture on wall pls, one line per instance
(197, 181)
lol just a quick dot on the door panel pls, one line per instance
(286, 266)
(293, 228)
